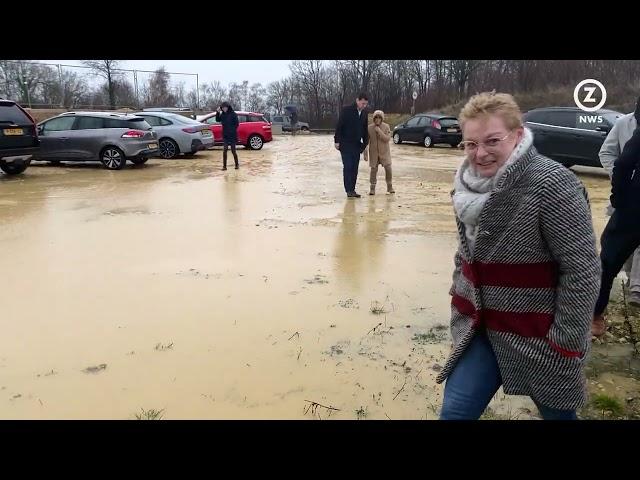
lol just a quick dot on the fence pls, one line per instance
(40, 85)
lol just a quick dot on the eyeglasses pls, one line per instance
(490, 144)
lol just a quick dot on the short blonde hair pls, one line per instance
(492, 103)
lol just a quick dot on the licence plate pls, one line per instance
(13, 131)
(452, 130)
(206, 133)
(153, 146)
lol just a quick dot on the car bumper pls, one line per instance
(141, 148)
(448, 138)
(201, 144)
(18, 152)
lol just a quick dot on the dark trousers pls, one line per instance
(620, 238)
(227, 144)
(350, 162)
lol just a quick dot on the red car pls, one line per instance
(253, 129)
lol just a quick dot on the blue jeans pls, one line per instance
(475, 380)
(350, 161)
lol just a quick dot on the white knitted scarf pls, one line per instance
(472, 191)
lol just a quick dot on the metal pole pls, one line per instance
(197, 92)
(135, 86)
(61, 86)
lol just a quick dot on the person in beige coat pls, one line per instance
(379, 152)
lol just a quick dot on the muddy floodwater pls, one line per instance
(261, 293)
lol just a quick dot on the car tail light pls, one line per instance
(133, 134)
(266, 127)
(191, 129)
(436, 124)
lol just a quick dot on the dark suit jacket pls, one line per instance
(352, 131)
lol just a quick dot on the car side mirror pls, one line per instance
(40, 129)
(603, 128)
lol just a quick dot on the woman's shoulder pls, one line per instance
(545, 172)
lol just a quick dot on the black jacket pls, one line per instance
(351, 130)
(625, 181)
(229, 121)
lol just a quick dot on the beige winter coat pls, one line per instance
(378, 150)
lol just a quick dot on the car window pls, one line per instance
(211, 120)
(138, 123)
(277, 119)
(535, 117)
(152, 120)
(114, 123)
(59, 124)
(424, 121)
(242, 118)
(563, 118)
(256, 118)
(164, 122)
(10, 113)
(448, 122)
(175, 118)
(89, 123)
(413, 122)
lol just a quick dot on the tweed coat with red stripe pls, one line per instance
(531, 282)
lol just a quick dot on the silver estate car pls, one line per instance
(178, 134)
(109, 137)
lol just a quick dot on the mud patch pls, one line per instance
(348, 303)
(317, 280)
(96, 369)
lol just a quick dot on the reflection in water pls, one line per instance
(231, 202)
(377, 226)
(361, 240)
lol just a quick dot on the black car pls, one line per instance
(570, 135)
(429, 129)
(18, 138)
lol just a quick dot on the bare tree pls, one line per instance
(107, 69)
(157, 92)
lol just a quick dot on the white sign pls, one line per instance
(415, 95)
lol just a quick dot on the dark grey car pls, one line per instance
(111, 138)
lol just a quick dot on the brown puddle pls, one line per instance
(258, 293)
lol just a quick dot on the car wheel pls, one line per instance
(168, 148)
(113, 158)
(304, 129)
(454, 145)
(396, 138)
(14, 168)
(255, 142)
(428, 141)
(55, 163)
(139, 161)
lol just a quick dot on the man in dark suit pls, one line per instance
(351, 138)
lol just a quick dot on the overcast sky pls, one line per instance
(226, 71)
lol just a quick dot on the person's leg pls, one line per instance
(549, 413)
(354, 176)
(634, 279)
(619, 240)
(345, 170)
(224, 155)
(472, 383)
(373, 178)
(235, 155)
(387, 176)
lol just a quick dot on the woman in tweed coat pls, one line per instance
(526, 274)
